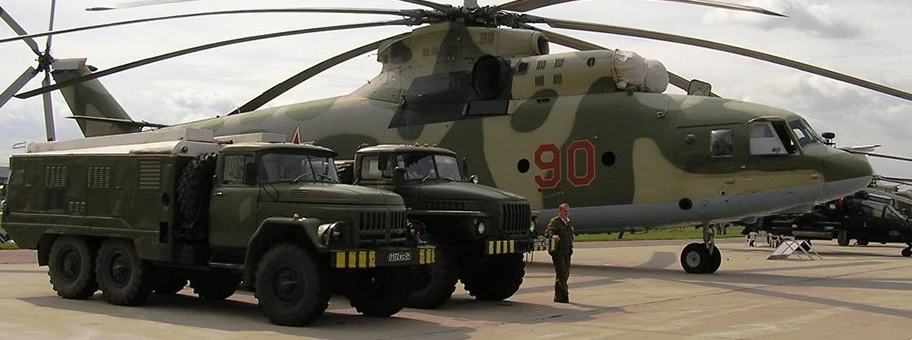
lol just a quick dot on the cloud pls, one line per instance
(813, 19)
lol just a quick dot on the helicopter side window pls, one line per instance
(763, 141)
(721, 143)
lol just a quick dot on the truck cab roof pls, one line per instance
(258, 146)
(401, 148)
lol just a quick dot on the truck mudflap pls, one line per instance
(496, 247)
(364, 258)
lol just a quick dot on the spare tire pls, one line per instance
(193, 191)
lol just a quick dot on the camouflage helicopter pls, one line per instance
(590, 128)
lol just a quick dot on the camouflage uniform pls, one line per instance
(560, 256)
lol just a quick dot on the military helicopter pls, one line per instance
(589, 128)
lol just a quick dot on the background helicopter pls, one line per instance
(603, 160)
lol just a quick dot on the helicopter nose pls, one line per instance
(846, 173)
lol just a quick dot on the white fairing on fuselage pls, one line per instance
(610, 219)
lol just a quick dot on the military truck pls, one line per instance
(142, 213)
(480, 232)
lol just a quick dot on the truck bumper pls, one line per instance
(495, 247)
(385, 257)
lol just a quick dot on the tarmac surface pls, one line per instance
(629, 290)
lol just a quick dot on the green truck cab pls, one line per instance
(480, 232)
(142, 213)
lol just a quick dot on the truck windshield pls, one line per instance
(288, 167)
(428, 166)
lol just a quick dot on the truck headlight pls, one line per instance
(532, 227)
(328, 231)
(481, 227)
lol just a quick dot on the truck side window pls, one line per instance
(370, 168)
(721, 143)
(234, 169)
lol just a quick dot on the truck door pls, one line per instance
(233, 209)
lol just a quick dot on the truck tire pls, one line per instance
(381, 292)
(168, 282)
(498, 278)
(293, 289)
(122, 276)
(193, 189)
(842, 238)
(72, 268)
(215, 286)
(434, 284)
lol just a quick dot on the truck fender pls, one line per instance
(275, 230)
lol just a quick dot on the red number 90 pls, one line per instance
(553, 164)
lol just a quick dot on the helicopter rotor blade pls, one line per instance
(169, 55)
(297, 79)
(900, 180)
(17, 84)
(47, 46)
(48, 109)
(132, 4)
(633, 32)
(571, 42)
(407, 13)
(18, 29)
(528, 5)
(430, 4)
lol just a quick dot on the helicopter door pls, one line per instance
(770, 138)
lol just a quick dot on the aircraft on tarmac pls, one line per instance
(590, 128)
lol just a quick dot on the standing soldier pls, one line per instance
(561, 231)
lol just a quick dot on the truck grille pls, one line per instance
(382, 227)
(517, 217)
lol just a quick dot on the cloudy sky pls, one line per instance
(866, 39)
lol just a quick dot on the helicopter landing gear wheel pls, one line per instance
(702, 258)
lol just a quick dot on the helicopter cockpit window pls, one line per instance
(721, 143)
(805, 134)
(288, 167)
(763, 140)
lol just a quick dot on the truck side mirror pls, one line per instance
(398, 175)
(250, 173)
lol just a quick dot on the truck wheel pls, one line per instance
(193, 190)
(292, 288)
(168, 282)
(215, 286)
(842, 238)
(498, 278)
(123, 277)
(906, 252)
(381, 292)
(861, 242)
(72, 268)
(435, 283)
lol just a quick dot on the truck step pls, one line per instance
(226, 265)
